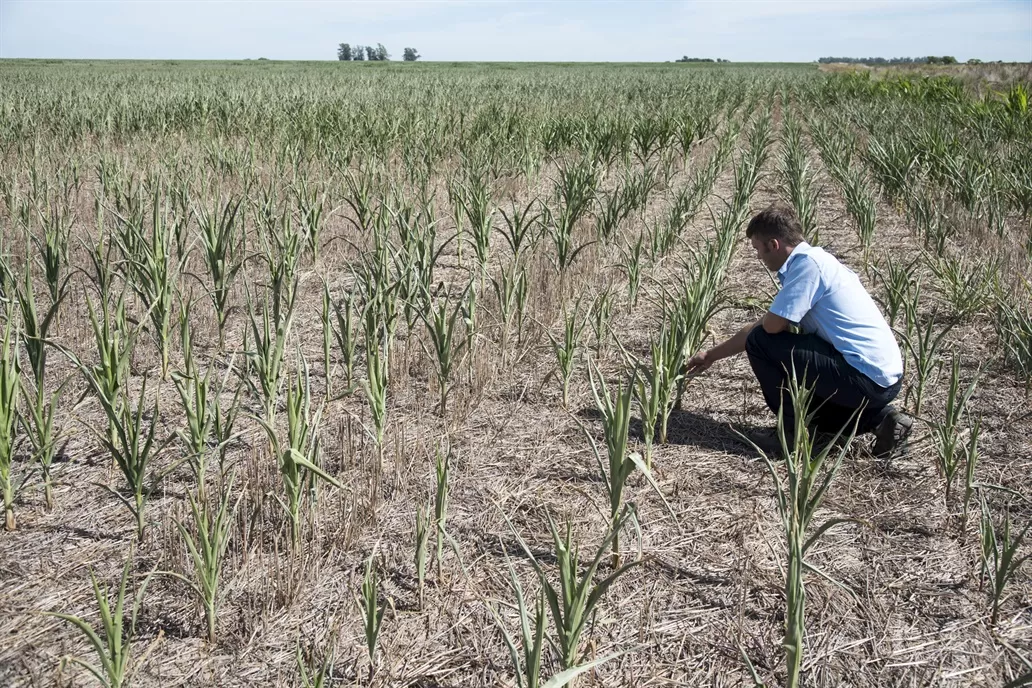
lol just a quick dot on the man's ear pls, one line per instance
(777, 245)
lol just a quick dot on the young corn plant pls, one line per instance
(113, 644)
(52, 244)
(221, 236)
(521, 227)
(207, 544)
(297, 453)
(578, 596)
(445, 349)
(310, 205)
(970, 463)
(152, 271)
(965, 287)
(38, 422)
(619, 464)
(372, 612)
(1000, 559)
(861, 206)
(799, 496)
(946, 433)
(474, 197)
(526, 655)
(510, 290)
(924, 346)
(653, 389)
(346, 336)
(566, 351)
(132, 442)
(442, 470)
(901, 287)
(632, 265)
(10, 389)
(269, 342)
(1013, 325)
(377, 345)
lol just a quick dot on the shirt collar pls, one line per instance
(801, 248)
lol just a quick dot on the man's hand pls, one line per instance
(697, 364)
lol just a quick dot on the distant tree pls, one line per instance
(370, 53)
(974, 61)
(381, 53)
(949, 59)
(410, 55)
(358, 53)
(344, 52)
(695, 59)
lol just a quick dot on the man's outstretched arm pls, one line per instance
(770, 322)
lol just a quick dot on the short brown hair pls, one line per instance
(779, 222)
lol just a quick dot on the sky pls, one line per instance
(518, 30)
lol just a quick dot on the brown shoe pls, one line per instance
(892, 434)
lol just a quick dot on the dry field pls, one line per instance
(341, 370)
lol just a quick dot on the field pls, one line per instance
(370, 374)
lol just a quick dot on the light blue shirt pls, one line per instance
(825, 297)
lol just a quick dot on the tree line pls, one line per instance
(699, 59)
(931, 59)
(360, 53)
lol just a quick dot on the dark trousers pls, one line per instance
(838, 388)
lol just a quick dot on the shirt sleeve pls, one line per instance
(800, 291)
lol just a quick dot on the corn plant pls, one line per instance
(861, 206)
(1000, 561)
(132, 443)
(923, 345)
(344, 334)
(652, 392)
(377, 345)
(566, 350)
(423, 516)
(526, 655)
(620, 464)
(798, 179)
(269, 342)
(474, 197)
(946, 436)
(372, 612)
(445, 348)
(207, 425)
(310, 205)
(965, 287)
(297, 453)
(222, 244)
(970, 463)
(10, 389)
(113, 644)
(442, 470)
(900, 287)
(574, 191)
(152, 271)
(207, 550)
(578, 596)
(510, 290)
(632, 265)
(52, 244)
(521, 227)
(1013, 324)
(39, 421)
(810, 474)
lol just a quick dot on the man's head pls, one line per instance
(774, 232)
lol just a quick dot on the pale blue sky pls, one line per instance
(560, 30)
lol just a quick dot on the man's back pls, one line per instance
(827, 298)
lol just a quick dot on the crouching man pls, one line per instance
(844, 345)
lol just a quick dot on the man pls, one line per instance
(846, 349)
